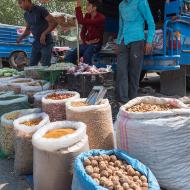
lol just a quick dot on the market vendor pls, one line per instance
(91, 32)
(132, 46)
(40, 23)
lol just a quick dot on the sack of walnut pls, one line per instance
(55, 147)
(7, 129)
(98, 119)
(39, 95)
(111, 169)
(54, 104)
(156, 131)
(24, 128)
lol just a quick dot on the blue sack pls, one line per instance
(82, 181)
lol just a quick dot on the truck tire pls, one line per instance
(12, 60)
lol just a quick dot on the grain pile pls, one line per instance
(98, 119)
(55, 147)
(24, 128)
(54, 104)
(7, 129)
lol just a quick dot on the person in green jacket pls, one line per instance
(132, 45)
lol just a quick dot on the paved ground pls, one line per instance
(8, 180)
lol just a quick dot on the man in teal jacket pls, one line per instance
(132, 45)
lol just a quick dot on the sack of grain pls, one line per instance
(6, 129)
(36, 86)
(156, 131)
(55, 147)
(16, 84)
(39, 95)
(98, 119)
(6, 93)
(13, 102)
(54, 104)
(85, 176)
(24, 128)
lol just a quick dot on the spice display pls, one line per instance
(57, 133)
(79, 104)
(144, 107)
(32, 122)
(86, 69)
(59, 96)
(54, 104)
(12, 116)
(61, 66)
(114, 174)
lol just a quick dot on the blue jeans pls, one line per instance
(42, 55)
(85, 51)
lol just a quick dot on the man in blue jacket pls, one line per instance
(132, 46)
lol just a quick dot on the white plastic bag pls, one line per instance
(53, 145)
(159, 139)
(56, 108)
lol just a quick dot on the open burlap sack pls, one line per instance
(7, 129)
(58, 158)
(56, 108)
(23, 163)
(98, 119)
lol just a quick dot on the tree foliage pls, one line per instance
(10, 13)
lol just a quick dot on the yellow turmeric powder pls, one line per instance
(57, 133)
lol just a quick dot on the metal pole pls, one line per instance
(78, 53)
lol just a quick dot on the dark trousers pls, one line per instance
(42, 55)
(129, 66)
(85, 51)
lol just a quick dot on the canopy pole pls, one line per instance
(78, 51)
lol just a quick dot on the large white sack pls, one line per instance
(159, 139)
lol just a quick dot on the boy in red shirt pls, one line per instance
(91, 32)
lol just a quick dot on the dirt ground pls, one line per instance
(9, 181)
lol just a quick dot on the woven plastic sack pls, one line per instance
(57, 155)
(23, 163)
(98, 119)
(7, 129)
(56, 108)
(82, 181)
(158, 139)
(13, 102)
(16, 84)
(39, 95)
(6, 93)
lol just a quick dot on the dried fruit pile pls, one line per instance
(57, 133)
(144, 107)
(114, 174)
(79, 104)
(61, 96)
(32, 122)
(13, 116)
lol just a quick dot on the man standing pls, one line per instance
(91, 32)
(133, 14)
(40, 23)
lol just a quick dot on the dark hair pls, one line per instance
(95, 3)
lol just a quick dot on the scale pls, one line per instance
(96, 95)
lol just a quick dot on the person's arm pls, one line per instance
(146, 12)
(120, 28)
(83, 34)
(25, 34)
(51, 25)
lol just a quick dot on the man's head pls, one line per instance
(25, 4)
(91, 6)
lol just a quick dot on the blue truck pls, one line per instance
(9, 49)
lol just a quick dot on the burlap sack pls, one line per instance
(7, 129)
(98, 119)
(56, 108)
(57, 160)
(23, 163)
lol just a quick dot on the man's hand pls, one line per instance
(148, 48)
(79, 3)
(43, 39)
